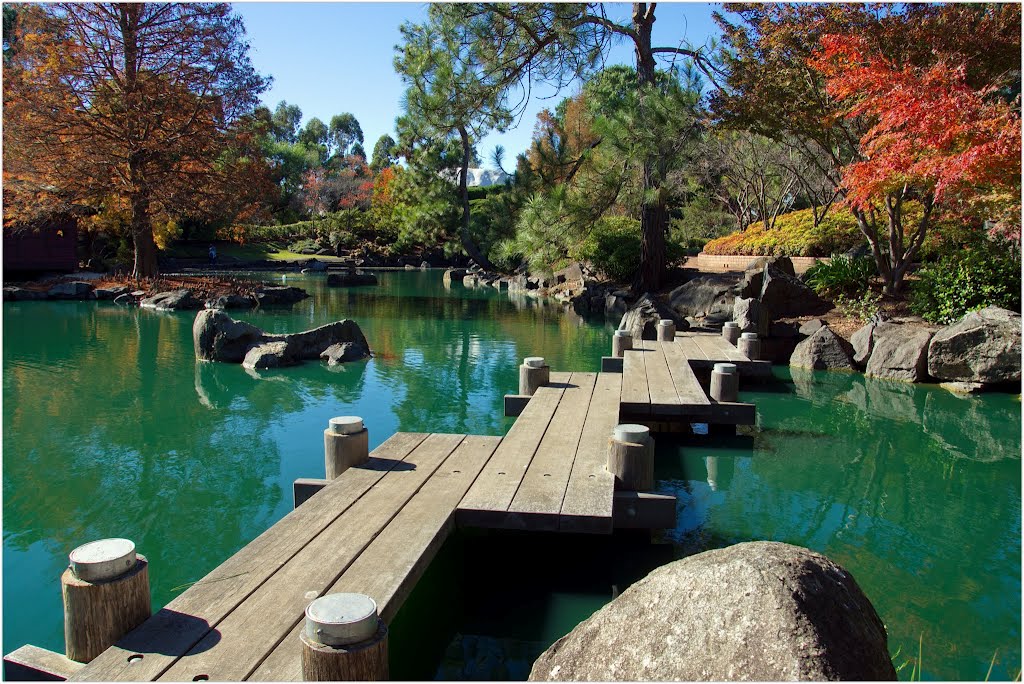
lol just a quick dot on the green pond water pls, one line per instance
(111, 428)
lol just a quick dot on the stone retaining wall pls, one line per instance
(737, 262)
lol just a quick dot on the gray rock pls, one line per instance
(344, 352)
(749, 315)
(232, 301)
(110, 292)
(268, 355)
(812, 326)
(350, 278)
(862, 342)
(175, 300)
(471, 280)
(20, 294)
(759, 611)
(983, 346)
(218, 337)
(311, 343)
(782, 263)
(315, 266)
(615, 304)
(962, 387)
(899, 352)
(410, 267)
(516, 283)
(823, 350)
(280, 295)
(424, 265)
(784, 295)
(76, 289)
(642, 318)
(705, 296)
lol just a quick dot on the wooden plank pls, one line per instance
(664, 397)
(636, 396)
(725, 350)
(714, 352)
(689, 347)
(539, 498)
(559, 379)
(33, 664)
(187, 619)
(487, 501)
(689, 389)
(587, 505)
(243, 639)
(390, 567)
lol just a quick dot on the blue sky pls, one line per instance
(334, 57)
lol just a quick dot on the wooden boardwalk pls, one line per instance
(375, 529)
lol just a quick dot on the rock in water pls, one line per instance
(269, 355)
(280, 295)
(862, 341)
(175, 300)
(899, 351)
(219, 337)
(344, 352)
(760, 611)
(983, 346)
(76, 289)
(824, 350)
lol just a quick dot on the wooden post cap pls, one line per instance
(634, 434)
(725, 368)
(665, 322)
(749, 336)
(341, 619)
(534, 362)
(731, 324)
(103, 559)
(346, 425)
(623, 333)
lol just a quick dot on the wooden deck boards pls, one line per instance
(636, 396)
(188, 618)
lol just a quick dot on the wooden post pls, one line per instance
(346, 443)
(666, 330)
(725, 382)
(106, 595)
(631, 458)
(750, 346)
(622, 342)
(731, 332)
(533, 373)
(344, 640)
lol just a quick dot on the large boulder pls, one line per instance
(784, 295)
(175, 300)
(823, 350)
(862, 342)
(20, 294)
(983, 346)
(899, 351)
(76, 289)
(760, 611)
(642, 318)
(311, 343)
(219, 337)
(280, 295)
(111, 293)
(457, 274)
(707, 296)
(750, 316)
(269, 355)
(343, 352)
(231, 301)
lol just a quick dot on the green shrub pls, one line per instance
(861, 307)
(986, 274)
(613, 247)
(300, 245)
(842, 275)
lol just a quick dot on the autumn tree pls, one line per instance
(138, 99)
(933, 138)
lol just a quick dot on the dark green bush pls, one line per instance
(613, 247)
(986, 274)
(842, 275)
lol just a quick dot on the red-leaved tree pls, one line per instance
(932, 137)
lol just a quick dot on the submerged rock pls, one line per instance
(175, 300)
(760, 611)
(350, 278)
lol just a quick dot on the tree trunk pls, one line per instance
(653, 216)
(142, 236)
(467, 241)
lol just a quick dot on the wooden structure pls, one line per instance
(52, 247)
(376, 526)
